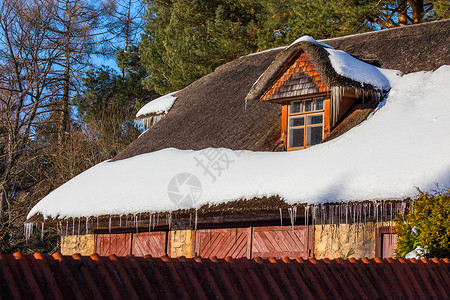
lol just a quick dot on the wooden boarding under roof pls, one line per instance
(301, 78)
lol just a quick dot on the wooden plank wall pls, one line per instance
(223, 242)
(282, 241)
(108, 244)
(152, 243)
(271, 241)
(139, 244)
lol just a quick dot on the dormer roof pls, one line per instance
(310, 64)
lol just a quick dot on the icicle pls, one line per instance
(42, 231)
(190, 220)
(376, 211)
(61, 228)
(87, 225)
(149, 222)
(306, 215)
(79, 226)
(120, 220)
(109, 224)
(67, 227)
(291, 216)
(295, 213)
(336, 94)
(323, 214)
(73, 226)
(313, 214)
(339, 214)
(346, 213)
(136, 222)
(365, 212)
(281, 217)
(28, 229)
(170, 220)
(391, 221)
(196, 220)
(97, 222)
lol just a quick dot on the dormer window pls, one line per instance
(321, 91)
(306, 123)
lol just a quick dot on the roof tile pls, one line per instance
(65, 277)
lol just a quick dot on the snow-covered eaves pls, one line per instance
(153, 111)
(402, 146)
(346, 65)
(158, 106)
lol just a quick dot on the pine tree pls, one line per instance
(187, 39)
(109, 102)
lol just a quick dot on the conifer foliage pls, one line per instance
(427, 226)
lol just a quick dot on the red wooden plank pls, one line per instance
(222, 242)
(108, 244)
(280, 241)
(149, 243)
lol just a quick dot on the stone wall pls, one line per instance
(181, 243)
(345, 240)
(83, 244)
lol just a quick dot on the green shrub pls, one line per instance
(426, 225)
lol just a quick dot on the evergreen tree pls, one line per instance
(187, 39)
(427, 226)
(109, 102)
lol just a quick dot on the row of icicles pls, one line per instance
(314, 214)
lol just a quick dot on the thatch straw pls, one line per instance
(211, 111)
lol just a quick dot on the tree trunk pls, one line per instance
(402, 13)
(64, 118)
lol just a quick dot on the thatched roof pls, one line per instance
(211, 111)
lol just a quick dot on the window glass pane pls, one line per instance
(308, 105)
(296, 137)
(314, 135)
(297, 122)
(317, 119)
(318, 103)
(296, 107)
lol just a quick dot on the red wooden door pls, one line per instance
(223, 242)
(282, 241)
(149, 243)
(389, 243)
(108, 244)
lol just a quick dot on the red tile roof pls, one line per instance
(93, 277)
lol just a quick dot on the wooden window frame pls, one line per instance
(306, 125)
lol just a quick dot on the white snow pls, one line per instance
(350, 67)
(158, 106)
(307, 38)
(405, 144)
(417, 253)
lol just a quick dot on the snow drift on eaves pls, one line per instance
(158, 106)
(403, 145)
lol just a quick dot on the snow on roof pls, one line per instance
(158, 106)
(307, 38)
(346, 65)
(402, 146)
